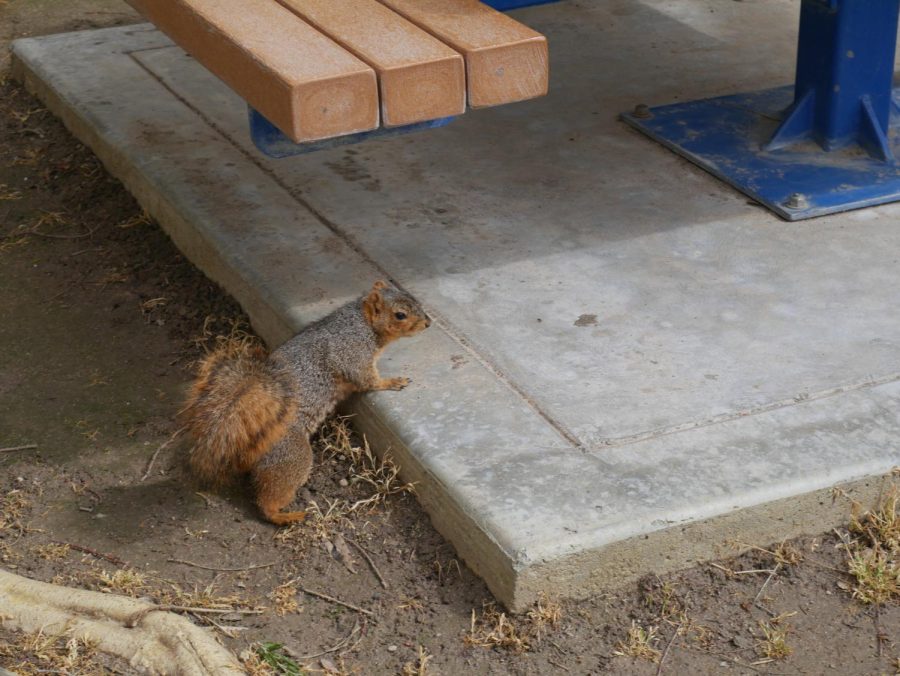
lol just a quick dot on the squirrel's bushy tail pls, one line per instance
(238, 407)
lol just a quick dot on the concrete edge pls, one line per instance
(473, 544)
(679, 547)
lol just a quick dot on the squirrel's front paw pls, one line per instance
(396, 383)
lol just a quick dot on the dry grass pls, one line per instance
(880, 526)
(412, 604)
(663, 598)
(7, 194)
(639, 643)
(773, 645)
(11, 242)
(8, 555)
(546, 615)
(874, 549)
(380, 475)
(63, 653)
(284, 598)
(877, 576)
(142, 218)
(126, 582)
(202, 597)
(133, 583)
(493, 629)
(28, 158)
(49, 218)
(787, 555)
(52, 552)
(255, 665)
(420, 666)
(237, 341)
(13, 507)
(320, 524)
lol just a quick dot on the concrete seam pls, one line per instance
(758, 410)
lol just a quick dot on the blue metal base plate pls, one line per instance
(271, 141)
(726, 136)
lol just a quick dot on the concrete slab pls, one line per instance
(630, 364)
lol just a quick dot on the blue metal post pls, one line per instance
(797, 149)
(845, 64)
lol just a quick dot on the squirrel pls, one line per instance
(252, 414)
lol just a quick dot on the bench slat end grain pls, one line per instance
(505, 60)
(420, 78)
(420, 92)
(510, 73)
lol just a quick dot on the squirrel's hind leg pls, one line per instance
(279, 474)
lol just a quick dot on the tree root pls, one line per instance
(151, 640)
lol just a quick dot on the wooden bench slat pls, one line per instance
(420, 78)
(303, 82)
(505, 60)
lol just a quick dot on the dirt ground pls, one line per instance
(102, 321)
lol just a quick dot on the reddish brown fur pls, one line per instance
(236, 411)
(278, 475)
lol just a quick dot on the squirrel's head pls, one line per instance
(392, 313)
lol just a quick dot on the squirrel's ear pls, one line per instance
(380, 284)
(373, 304)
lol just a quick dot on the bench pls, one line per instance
(314, 70)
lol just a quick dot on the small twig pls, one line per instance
(558, 665)
(331, 599)
(756, 571)
(665, 654)
(157, 451)
(843, 573)
(10, 449)
(725, 570)
(38, 233)
(210, 611)
(362, 635)
(224, 570)
(209, 503)
(230, 632)
(880, 636)
(371, 563)
(338, 646)
(772, 574)
(141, 614)
(87, 550)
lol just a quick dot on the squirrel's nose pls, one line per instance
(427, 321)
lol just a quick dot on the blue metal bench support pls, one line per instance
(821, 146)
(845, 65)
(270, 140)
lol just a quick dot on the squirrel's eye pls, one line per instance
(400, 316)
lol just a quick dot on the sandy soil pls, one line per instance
(102, 320)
